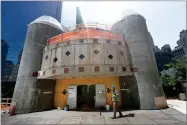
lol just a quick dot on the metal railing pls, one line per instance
(6, 101)
(87, 25)
(85, 34)
(5, 104)
(84, 31)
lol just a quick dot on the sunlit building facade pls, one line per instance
(78, 66)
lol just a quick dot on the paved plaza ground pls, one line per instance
(165, 116)
(178, 105)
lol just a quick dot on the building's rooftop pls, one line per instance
(161, 53)
(177, 48)
(183, 31)
(127, 12)
(48, 20)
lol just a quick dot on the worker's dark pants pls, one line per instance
(115, 109)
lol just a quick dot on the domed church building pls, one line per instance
(78, 66)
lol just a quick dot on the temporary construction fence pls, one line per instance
(5, 103)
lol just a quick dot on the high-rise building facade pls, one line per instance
(156, 49)
(166, 48)
(8, 70)
(79, 19)
(14, 73)
(19, 56)
(4, 52)
(181, 50)
(163, 58)
(15, 20)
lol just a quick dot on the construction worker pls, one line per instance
(115, 100)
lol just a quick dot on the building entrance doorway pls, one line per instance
(129, 93)
(85, 96)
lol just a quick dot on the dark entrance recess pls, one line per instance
(45, 94)
(129, 93)
(7, 89)
(85, 96)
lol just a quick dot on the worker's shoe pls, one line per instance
(114, 116)
(119, 116)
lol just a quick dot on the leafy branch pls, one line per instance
(174, 72)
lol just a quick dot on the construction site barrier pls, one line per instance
(5, 103)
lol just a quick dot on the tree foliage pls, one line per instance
(174, 73)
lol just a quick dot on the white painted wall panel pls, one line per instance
(84, 50)
(46, 60)
(96, 54)
(53, 55)
(58, 55)
(121, 54)
(67, 56)
(110, 50)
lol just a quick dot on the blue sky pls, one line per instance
(15, 17)
(164, 19)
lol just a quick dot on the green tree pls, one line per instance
(174, 73)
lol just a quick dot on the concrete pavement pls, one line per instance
(166, 116)
(178, 105)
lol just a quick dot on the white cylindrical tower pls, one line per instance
(25, 92)
(134, 29)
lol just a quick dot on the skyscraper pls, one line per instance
(16, 67)
(8, 70)
(181, 50)
(79, 19)
(19, 57)
(4, 52)
(166, 48)
(16, 19)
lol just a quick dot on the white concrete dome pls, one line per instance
(126, 13)
(48, 20)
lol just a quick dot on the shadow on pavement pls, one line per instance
(100, 110)
(127, 115)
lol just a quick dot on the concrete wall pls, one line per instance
(134, 30)
(25, 90)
